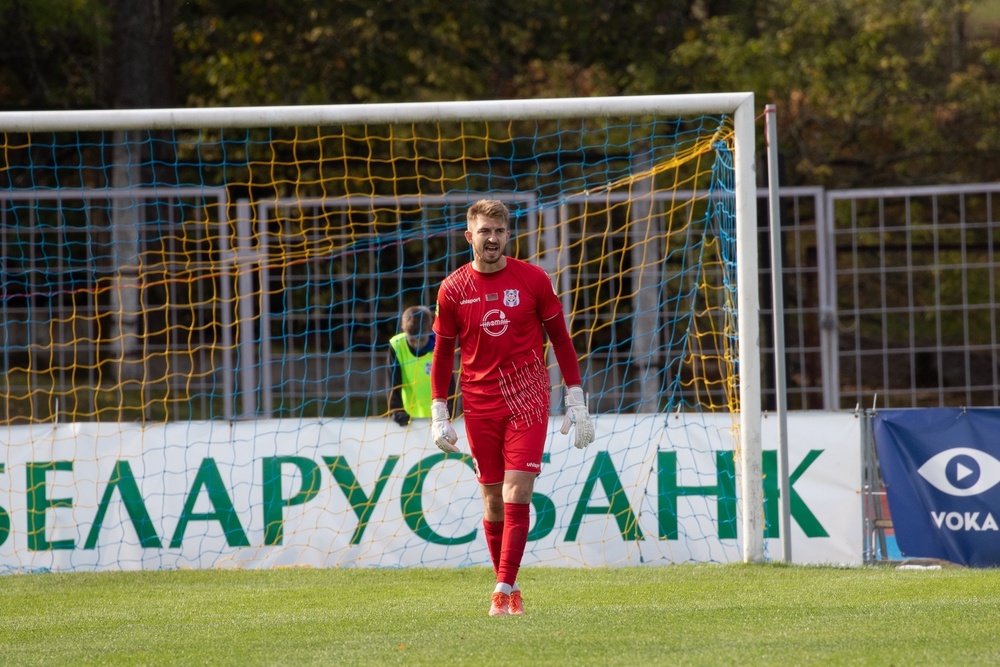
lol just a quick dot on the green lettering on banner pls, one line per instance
(362, 504)
(208, 476)
(413, 504)
(603, 471)
(123, 480)
(38, 504)
(545, 516)
(797, 507)
(724, 491)
(4, 516)
(274, 504)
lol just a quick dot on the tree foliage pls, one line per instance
(239, 52)
(868, 91)
(52, 53)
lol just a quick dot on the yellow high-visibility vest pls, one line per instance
(416, 371)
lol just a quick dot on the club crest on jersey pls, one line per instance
(511, 298)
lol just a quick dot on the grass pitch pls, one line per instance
(667, 615)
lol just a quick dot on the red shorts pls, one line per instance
(504, 443)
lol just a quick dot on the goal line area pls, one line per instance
(197, 305)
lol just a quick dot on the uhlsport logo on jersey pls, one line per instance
(495, 322)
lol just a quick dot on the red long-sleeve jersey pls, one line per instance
(500, 320)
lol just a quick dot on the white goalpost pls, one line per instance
(198, 302)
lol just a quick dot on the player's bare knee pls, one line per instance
(493, 506)
(517, 494)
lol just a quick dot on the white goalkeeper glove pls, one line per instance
(577, 415)
(441, 430)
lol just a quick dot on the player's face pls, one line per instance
(488, 238)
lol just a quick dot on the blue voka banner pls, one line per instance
(941, 468)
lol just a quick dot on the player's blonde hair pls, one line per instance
(492, 209)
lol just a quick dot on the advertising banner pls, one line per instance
(367, 493)
(941, 467)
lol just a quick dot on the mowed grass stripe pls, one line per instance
(656, 615)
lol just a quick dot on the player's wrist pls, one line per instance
(439, 410)
(574, 395)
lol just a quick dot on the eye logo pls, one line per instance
(961, 471)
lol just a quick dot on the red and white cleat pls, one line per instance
(516, 605)
(500, 605)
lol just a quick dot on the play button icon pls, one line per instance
(962, 471)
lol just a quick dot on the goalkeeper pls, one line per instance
(500, 309)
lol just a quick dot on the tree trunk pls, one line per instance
(143, 64)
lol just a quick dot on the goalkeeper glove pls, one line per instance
(441, 430)
(577, 415)
(401, 417)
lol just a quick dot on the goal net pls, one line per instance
(197, 305)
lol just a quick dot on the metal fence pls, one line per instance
(890, 299)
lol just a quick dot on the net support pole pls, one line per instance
(126, 223)
(245, 260)
(226, 333)
(646, 277)
(543, 226)
(748, 306)
(778, 297)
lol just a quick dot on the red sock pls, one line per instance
(515, 536)
(494, 540)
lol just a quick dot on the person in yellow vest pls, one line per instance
(410, 354)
